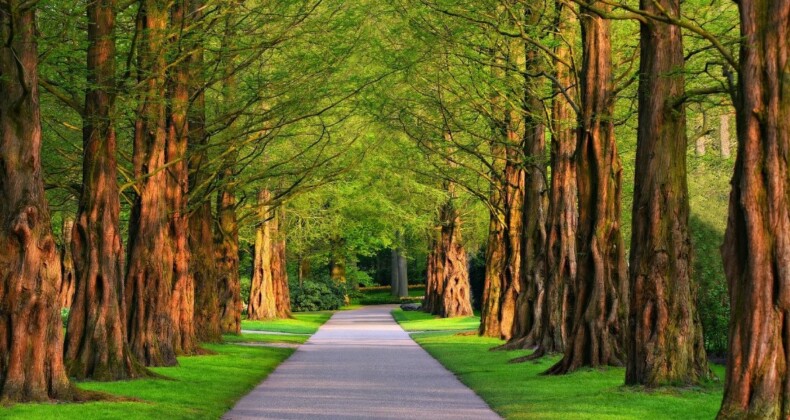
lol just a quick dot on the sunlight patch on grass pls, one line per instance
(301, 323)
(265, 338)
(421, 321)
(519, 391)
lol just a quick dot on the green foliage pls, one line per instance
(421, 321)
(519, 391)
(382, 296)
(245, 283)
(320, 295)
(64, 316)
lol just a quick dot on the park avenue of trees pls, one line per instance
(154, 152)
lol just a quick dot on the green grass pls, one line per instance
(265, 338)
(421, 321)
(202, 387)
(518, 391)
(383, 296)
(301, 323)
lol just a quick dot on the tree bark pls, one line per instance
(597, 337)
(66, 292)
(282, 292)
(96, 342)
(227, 249)
(434, 283)
(203, 267)
(494, 273)
(562, 209)
(665, 343)
(756, 249)
(724, 135)
(150, 275)
(456, 298)
(31, 341)
(262, 301)
(400, 285)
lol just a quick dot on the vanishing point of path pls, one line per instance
(361, 365)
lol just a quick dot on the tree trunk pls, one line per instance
(434, 283)
(515, 179)
(282, 292)
(597, 337)
(262, 301)
(203, 267)
(494, 273)
(724, 135)
(96, 343)
(400, 282)
(403, 276)
(555, 313)
(66, 293)
(227, 249)
(756, 249)
(456, 298)
(31, 341)
(150, 275)
(665, 343)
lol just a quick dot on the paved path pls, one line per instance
(361, 365)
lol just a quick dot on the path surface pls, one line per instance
(361, 365)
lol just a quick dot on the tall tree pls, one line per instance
(203, 267)
(756, 249)
(282, 293)
(597, 335)
(31, 341)
(262, 302)
(665, 334)
(456, 294)
(226, 234)
(96, 344)
(150, 275)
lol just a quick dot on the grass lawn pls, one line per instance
(382, 296)
(518, 391)
(265, 338)
(421, 321)
(301, 323)
(202, 387)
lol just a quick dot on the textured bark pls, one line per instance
(494, 272)
(227, 252)
(66, 289)
(203, 267)
(597, 337)
(31, 342)
(665, 343)
(555, 315)
(262, 302)
(756, 249)
(400, 285)
(150, 275)
(724, 135)
(96, 343)
(182, 304)
(434, 282)
(282, 292)
(456, 298)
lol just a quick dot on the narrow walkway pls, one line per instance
(361, 365)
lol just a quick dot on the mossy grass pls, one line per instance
(299, 323)
(420, 321)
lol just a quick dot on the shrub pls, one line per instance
(322, 295)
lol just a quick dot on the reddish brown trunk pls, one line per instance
(66, 289)
(149, 285)
(555, 314)
(434, 282)
(262, 302)
(515, 178)
(665, 333)
(31, 341)
(182, 304)
(756, 249)
(495, 267)
(96, 344)
(203, 267)
(227, 250)
(455, 297)
(597, 336)
(282, 292)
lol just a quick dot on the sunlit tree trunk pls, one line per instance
(96, 343)
(434, 282)
(496, 252)
(456, 298)
(756, 249)
(31, 341)
(282, 292)
(597, 336)
(149, 287)
(262, 301)
(67, 281)
(227, 248)
(665, 333)
(555, 314)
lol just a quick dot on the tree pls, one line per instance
(665, 334)
(66, 293)
(262, 303)
(31, 341)
(597, 336)
(96, 343)
(756, 248)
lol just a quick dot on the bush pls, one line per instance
(64, 316)
(322, 295)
